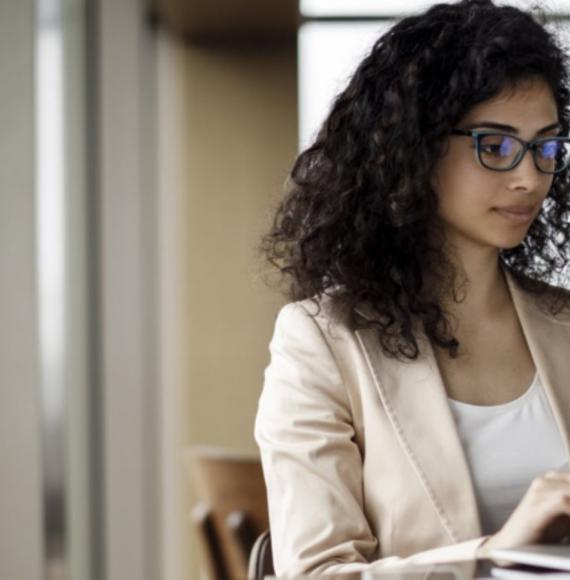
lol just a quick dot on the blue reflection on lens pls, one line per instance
(506, 147)
(549, 149)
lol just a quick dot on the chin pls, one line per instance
(510, 246)
(507, 240)
(510, 243)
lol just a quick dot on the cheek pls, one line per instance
(454, 170)
(462, 187)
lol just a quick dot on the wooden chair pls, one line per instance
(232, 508)
(261, 558)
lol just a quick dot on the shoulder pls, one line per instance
(316, 329)
(303, 374)
(327, 313)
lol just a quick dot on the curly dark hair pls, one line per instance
(355, 219)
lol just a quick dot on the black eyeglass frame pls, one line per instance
(476, 134)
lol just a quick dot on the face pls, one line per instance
(482, 208)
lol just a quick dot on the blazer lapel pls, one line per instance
(415, 400)
(548, 340)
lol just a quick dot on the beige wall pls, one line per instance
(228, 137)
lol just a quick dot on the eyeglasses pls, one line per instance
(503, 152)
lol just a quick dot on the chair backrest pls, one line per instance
(261, 558)
(233, 507)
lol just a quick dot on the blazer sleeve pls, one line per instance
(312, 465)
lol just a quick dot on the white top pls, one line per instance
(507, 446)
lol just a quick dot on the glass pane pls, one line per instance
(328, 54)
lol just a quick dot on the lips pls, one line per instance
(517, 209)
(516, 213)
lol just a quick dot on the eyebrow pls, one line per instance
(510, 128)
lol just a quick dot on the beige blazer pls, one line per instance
(361, 456)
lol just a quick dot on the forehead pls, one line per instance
(527, 103)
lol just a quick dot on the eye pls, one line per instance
(497, 145)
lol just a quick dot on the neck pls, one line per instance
(483, 290)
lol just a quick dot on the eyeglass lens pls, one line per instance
(503, 152)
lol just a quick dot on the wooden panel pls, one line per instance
(229, 20)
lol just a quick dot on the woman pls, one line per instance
(416, 408)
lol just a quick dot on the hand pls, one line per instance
(542, 516)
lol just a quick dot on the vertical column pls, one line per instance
(21, 537)
(127, 271)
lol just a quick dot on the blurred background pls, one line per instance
(144, 145)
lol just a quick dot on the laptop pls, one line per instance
(553, 556)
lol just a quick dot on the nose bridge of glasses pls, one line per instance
(520, 148)
(528, 163)
(523, 147)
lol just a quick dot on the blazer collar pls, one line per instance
(415, 400)
(548, 338)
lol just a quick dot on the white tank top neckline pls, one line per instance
(502, 407)
(506, 447)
